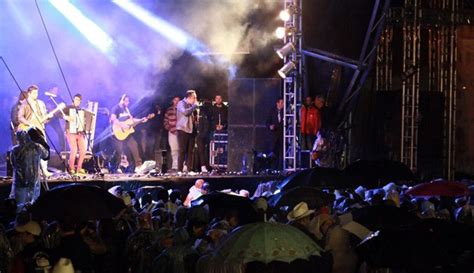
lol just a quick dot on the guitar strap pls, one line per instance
(38, 109)
(128, 112)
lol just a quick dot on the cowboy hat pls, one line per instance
(64, 265)
(299, 211)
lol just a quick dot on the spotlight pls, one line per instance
(280, 32)
(285, 15)
(285, 50)
(286, 69)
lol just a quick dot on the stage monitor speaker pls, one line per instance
(250, 102)
(336, 26)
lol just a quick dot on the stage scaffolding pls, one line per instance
(438, 20)
(292, 88)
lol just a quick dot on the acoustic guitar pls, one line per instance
(42, 121)
(129, 124)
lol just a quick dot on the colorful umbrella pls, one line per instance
(266, 242)
(439, 188)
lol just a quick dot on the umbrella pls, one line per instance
(382, 217)
(404, 248)
(372, 171)
(266, 242)
(220, 203)
(314, 197)
(79, 202)
(316, 177)
(439, 188)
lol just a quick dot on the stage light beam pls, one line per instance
(170, 32)
(91, 31)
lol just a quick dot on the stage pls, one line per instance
(134, 182)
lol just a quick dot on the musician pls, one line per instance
(119, 114)
(33, 114)
(275, 125)
(320, 152)
(14, 122)
(219, 115)
(185, 127)
(75, 136)
(170, 125)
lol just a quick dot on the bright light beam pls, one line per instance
(92, 32)
(170, 32)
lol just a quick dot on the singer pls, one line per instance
(185, 128)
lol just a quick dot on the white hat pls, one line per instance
(64, 265)
(299, 211)
(261, 203)
(31, 227)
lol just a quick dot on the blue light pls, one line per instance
(170, 32)
(91, 31)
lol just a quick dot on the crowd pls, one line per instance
(165, 231)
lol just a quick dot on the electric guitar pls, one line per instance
(42, 121)
(129, 124)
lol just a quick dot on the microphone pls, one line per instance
(50, 94)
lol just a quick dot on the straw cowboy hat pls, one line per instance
(31, 227)
(299, 211)
(64, 265)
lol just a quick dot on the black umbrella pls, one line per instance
(315, 198)
(219, 203)
(374, 171)
(383, 216)
(454, 238)
(316, 177)
(78, 202)
(413, 249)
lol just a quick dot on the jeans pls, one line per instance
(25, 195)
(186, 147)
(132, 146)
(173, 142)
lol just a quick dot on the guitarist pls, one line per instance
(119, 114)
(33, 113)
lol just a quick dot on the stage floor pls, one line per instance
(134, 181)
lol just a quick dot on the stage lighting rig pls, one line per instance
(286, 50)
(285, 15)
(290, 52)
(280, 32)
(286, 69)
(283, 32)
(290, 10)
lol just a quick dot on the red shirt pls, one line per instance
(310, 120)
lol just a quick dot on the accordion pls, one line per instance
(80, 121)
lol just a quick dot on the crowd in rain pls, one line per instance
(303, 229)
